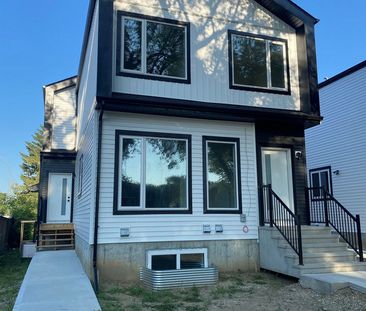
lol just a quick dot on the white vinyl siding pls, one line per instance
(209, 25)
(63, 119)
(340, 140)
(88, 79)
(175, 227)
(85, 202)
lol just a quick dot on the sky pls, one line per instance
(40, 43)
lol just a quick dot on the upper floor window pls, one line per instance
(258, 63)
(153, 48)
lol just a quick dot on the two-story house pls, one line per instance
(180, 112)
(337, 147)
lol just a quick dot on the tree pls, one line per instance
(31, 161)
(21, 203)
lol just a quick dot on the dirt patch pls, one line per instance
(234, 291)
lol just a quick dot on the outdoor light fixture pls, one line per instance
(298, 154)
(336, 172)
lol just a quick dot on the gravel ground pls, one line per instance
(235, 291)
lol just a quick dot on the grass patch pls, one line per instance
(12, 270)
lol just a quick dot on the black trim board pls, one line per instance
(257, 89)
(324, 168)
(116, 210)
(343, 74)
(120, 72)
(203, 110)
(105, 48)
(206, 209)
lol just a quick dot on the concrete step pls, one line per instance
(316, 247)
(319, 238)
(331, 267)
(310, 258)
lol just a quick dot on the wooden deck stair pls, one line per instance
(56, 237)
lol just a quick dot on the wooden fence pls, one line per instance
(5, 225)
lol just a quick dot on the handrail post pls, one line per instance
(299, 239)
(325, 207)
(270, 205)
(359, 237)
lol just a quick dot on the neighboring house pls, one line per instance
(336, 148)
(183, 109)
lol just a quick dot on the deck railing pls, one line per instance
(277, 214)
(325, 209)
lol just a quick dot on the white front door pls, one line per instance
(59, 198)
(277, 171)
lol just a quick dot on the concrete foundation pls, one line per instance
(85, 253)
(121, 262)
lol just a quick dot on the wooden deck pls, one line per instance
(56, 237)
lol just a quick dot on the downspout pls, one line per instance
(96, 219)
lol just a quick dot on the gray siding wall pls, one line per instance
(84, 201)
(210, 22)
(340, 141)
(64, 119)
(175, 227)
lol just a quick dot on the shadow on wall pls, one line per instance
(210, 49)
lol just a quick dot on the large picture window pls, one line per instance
(152, 173)
(221, 161)
(258, 63)
(153, 48)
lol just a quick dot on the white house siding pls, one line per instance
(84, 202)
(88, 79)
(210, 21)
(175, 227)
(340, 141)
(63, 119)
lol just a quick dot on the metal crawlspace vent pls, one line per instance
(159, 280)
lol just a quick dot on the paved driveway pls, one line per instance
(55, 280)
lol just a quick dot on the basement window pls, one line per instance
(174, 259)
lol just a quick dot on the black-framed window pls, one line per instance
(321, 177)
(80, 175)
(258, 63)
(221, 175)
(152, 173)
(153, 48)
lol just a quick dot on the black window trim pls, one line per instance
(116, 210)
(206, 209)
(120, 72)
(254, 88)
(319, 169)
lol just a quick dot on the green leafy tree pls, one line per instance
(21, 203)
(31, 161)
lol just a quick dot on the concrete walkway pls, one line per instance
(55, 280)
(328, 283)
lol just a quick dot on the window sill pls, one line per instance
(151, 212)
(259, 90)
(153, 77)
(221, 211)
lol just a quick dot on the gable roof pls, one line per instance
(343, 74)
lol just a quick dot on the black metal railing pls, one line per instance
(277, 214)
(325, 209)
